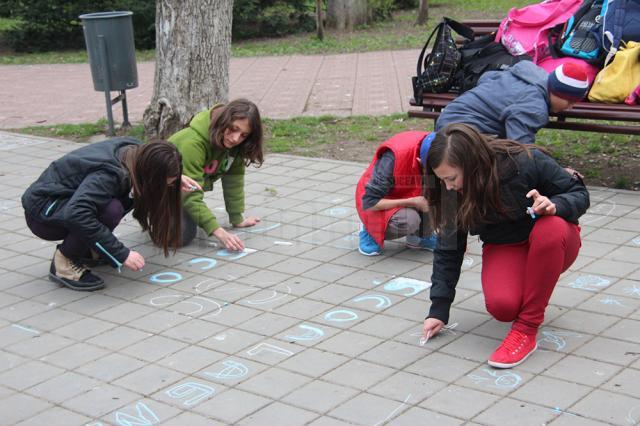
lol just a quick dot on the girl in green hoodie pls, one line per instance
(219, 144)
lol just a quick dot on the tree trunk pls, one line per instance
(193, 40)
(346, 14)
(423, 12)
(319, 23)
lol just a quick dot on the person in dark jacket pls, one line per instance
(525, 209)
(81, 197)
(515, 103)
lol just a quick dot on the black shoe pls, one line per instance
(86, 281)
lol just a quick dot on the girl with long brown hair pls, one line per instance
(81, 197)
(219, 144)
(525, 209)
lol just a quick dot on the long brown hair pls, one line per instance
(156, 204)
(223, 116)
(463, 146)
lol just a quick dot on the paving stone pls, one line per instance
(230, 371)
(367, 409)
(111, 367)
(143, 410)
(319, 396)
(312, 362)
(358, 374)
(582, 321)
(268, 324)
(153, 348)
(100, 401)
(463, 402)
(62, 387)
(608, 350)
(551, 392)
(28, 374)
(19, 407)
(416, 415)
(334, 294)
(394, 354)
(56, 416)
(118, 338)
(225, 406)
(625, 382)
(280, 414)
(303, 308)
(512, 412)
(72, 357)
(193, 331)
(501, 382)
(191, 419)
(624, 330)
(348, 343)
(402, 384)
(609, 407)
(274, 383)
(148, 379)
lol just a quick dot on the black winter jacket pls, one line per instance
(75, 188)
(517, 177)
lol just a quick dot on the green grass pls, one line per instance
(79, 132)
(398, 33)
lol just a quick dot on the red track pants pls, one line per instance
(518, 279)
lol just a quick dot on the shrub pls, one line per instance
(381, 9)
(268, 18)
(406, 4)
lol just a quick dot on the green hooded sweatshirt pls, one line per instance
(206, 164)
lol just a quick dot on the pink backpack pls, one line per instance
(526, 30)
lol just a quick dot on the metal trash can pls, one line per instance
(112, 31)
(112, 56)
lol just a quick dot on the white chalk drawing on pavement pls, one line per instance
(232, 370)
(636, 241)
(590, 283)
(198, 302)
(210, 263)
(401, 283)
(393, 413)
(382, 301)
(634, 290)
(611, 301)
(337, 211)
(311, 333)
(275, 296)
(27, 329)
(166, 278)
(497, 379)
(561, 411)
(634, 416)
(145, 417)
(267, 347)
(234, 255)
(556, 338)
(341, 315)
(196, 392)
(446, 330)
(200, 288)
(283, 243)
(599, 212)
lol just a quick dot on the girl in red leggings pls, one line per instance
(525, 209)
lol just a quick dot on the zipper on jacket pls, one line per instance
(46, 213)
(113, 259)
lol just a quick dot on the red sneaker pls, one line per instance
(515, 348)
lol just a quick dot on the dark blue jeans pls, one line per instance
(73, 246)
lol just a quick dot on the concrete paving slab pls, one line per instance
(305, 330)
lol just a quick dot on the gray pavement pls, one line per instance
(304, 330)
(372, 83)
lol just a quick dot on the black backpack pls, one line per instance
(478, 56)
(436, 71)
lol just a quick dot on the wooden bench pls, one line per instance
(586, 116)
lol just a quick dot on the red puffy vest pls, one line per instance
(407, 176)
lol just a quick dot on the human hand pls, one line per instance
(228, 240)
(134, 261)
(188, 184)
(250, 221)
(541, 204)
(419, 203)
(430, 328)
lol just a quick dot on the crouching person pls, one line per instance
(81, 197)
(389, 195)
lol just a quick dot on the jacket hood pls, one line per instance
(531, 73)
(200, 123)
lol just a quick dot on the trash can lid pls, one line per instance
(105, 15)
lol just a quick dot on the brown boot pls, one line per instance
(71, 274)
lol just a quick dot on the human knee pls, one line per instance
(112, 214)
(549, 231)
(502, 309)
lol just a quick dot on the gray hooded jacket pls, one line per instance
(512, 104)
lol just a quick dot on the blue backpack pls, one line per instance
(581, 35)
(621, 24)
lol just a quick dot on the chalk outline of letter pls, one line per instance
(261, 347)
(124, 419)
(383, 301)
(315, 333)
(211, 263)
(154, 278)
(229, 365)
(274, 297)
(185, 389)
(329, 316)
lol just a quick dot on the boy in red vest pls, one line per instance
(389, 195)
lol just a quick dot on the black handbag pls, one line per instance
(436, 71)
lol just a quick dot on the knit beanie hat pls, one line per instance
(569, 81)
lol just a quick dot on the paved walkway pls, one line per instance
(373, 83)
(304, 330)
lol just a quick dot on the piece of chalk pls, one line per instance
(423, 340)
(193, 187)
(531, 213)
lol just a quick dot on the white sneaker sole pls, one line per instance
(502, 365)
(375, 253)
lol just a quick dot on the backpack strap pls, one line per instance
(462, 29)
(438, 29)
